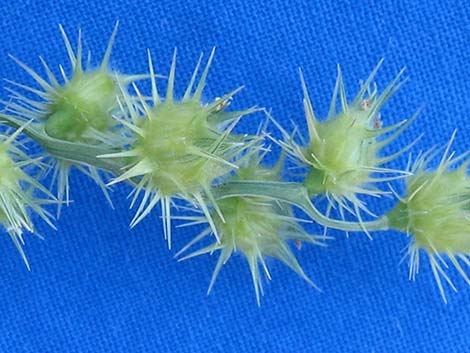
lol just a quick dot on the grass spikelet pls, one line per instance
(435, 214)
(179, 148)
(18, 192)
(342, 153)
(257, 227)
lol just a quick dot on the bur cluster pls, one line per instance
(185, 156)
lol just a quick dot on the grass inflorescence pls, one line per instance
(184, 151)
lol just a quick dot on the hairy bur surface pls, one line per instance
(176, 144)
(85, 102)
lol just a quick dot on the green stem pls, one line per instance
(71, 151)
(297, 195)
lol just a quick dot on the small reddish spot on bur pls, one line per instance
(377, 122)
(365, 104)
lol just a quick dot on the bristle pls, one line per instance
(155, 95)
(68, 46)
(171, 79)
(189, 89)
(202, 81)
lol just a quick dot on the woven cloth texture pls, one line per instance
(97, 286)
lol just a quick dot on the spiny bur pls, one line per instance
(342, 153)
(435, 213)
(257, 227)
(77, 108)
(178, 148)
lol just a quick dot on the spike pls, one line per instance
(187, 93)
(68, 46)
(109, 48)
(155, 96)
(202, 81)
(171, 79)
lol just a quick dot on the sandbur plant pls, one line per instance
(186, 156)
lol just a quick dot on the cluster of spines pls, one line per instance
(255, 226)
(80, 109)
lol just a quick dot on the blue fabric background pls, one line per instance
(96, 286)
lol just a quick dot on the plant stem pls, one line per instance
(297, 195)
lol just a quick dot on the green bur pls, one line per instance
(178, 148)
(344, 143)
(80, 106)
(436, 214)
(342, 154)
(257, 227)
(179, 144)
(73, 118)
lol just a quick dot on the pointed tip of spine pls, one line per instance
(171, 78)
(308, 107)
(78, 63)
(445, 155)
(342, 91)
(109, 48)
(303, 84)
(202, 81)
(187, 94)
(367, 83)
(155, 96)
(68, 46)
